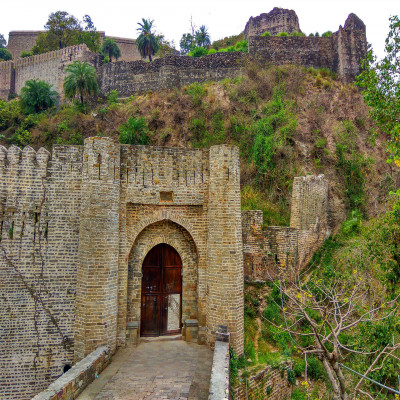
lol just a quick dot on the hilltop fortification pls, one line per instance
(276, 21)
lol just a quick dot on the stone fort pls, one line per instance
(102, 244)
(87, 232)
(341, 53)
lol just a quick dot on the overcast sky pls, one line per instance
(222, 17)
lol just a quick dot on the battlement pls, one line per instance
(68, 53)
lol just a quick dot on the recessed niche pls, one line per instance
(166, 196)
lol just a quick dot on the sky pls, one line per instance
(221, 17)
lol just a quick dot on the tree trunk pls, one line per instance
(150, 57)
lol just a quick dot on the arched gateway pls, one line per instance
(160, 245)
(161, 300)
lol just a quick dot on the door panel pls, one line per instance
(161, 292)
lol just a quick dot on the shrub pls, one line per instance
(298, 34)
(212, 51)
(196, 91)
(25, 54)
(327, 34)
(266, 33)
(112, 97)
(37, 96)
(198, 52)
(5, 54)
(134, 131)
(282, 34)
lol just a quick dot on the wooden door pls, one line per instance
(161, 292)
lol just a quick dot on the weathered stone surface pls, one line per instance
(276, 21)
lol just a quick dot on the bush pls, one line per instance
(25, 54)
(266, 33)
(282, 34)
(37, 96)
(198, 52)
(298, 34)
(134, 131)
(5, 54)
(196, 91)
(327, 34)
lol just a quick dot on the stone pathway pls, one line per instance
(155, 371)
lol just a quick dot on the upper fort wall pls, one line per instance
(341, 53)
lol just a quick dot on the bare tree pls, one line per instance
(329, 311)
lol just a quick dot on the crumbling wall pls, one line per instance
(317, 52)
(286, 250)
(276, 21)
(129, 78)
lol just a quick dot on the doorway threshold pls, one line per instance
(160, 338)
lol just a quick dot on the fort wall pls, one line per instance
(342, 53)
(19, 41)
(129, 78)
(75, 227)
(286, 250)
(40, 204)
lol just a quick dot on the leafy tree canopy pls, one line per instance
(196, 39)
(37, 96)
(63, 29)
(80, 81)
(147, 42)
(380, 83)
(110, 49)
(5, 54)
(3, 41)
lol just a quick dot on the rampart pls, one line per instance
(76, 226)
(275, 250)
(172, 71)
(19, 41)
(342, 53)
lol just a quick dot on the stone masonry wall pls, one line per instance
(19, 41)
(50, 66)
(276, 21)
(40, 205)
(128, 48)
(6, 78)
(225, 251)
(164, 199)
(276, 250)
(172, 71)
(317, 52)
(269, 383)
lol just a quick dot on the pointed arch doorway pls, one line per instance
(161, 302)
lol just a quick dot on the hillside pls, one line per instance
(287, 121)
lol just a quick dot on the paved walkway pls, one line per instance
(155, 371)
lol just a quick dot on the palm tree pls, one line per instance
(81, 80)
(202, 37)
(37, 96)
(111, 48)
(147, 43)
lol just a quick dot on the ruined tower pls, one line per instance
(276, 21)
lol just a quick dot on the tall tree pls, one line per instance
(380, 83)
(147, 42)
(63, 29)
(3, 41)
(37, 96)
(110, 49)
(80, 81)
(5, 54)
(202, 37)
(186, 43)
